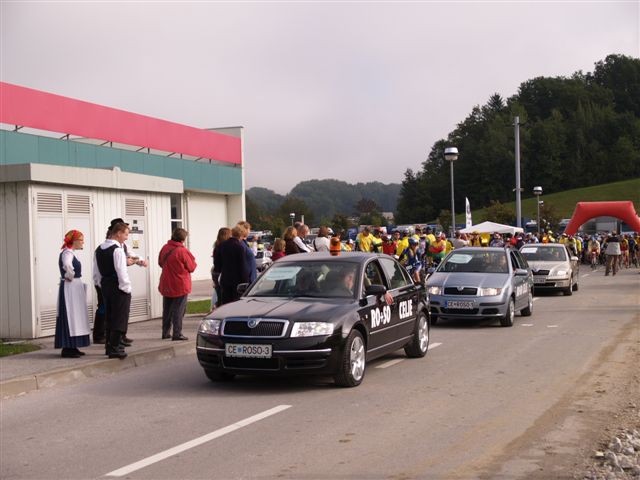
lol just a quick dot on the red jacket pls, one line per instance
(177, 263)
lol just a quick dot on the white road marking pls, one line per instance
(526, 324)
(552, 326)
(536, 299)
(195, 442)
(391, 362)
(434, 345)
(586, 275)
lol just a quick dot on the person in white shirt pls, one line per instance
(111, 261)
(303, 230)
(322, 243)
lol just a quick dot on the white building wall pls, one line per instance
(16, 272)
(29, 235)
(205, 215)
(159, 227)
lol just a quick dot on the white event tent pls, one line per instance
(491, 227)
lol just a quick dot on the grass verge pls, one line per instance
(199, 306)
(7, 349)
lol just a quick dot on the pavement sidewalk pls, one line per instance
(45, 368)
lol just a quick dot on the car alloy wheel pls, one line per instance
(419, 344)
(528, 310)
(356, 358)
(507, 320)
(353, 362)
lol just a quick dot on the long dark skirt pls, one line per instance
(63, 338)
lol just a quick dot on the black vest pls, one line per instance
(104, 259)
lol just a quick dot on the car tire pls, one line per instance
(528, 310)
(569, 290)
(218, 376)
(575, 287)
(419, 345)
(507, 320)
(353, 362)
(434, 319)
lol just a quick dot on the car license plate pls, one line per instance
(247, 350)
(539, 279)
(459, 304)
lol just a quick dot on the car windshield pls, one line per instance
(475, 262)
(544, 254)
(320, 279)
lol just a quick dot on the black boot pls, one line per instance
(114, 346)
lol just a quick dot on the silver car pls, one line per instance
(553, 267)
(477, 282)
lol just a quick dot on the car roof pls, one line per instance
(351, 257)
(481, 249)
(543, 245)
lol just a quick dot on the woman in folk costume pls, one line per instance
(72, 322)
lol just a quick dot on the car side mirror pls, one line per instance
(521, 272)
(241, 288)
(376, 289)
(574, 259)
(430, 270)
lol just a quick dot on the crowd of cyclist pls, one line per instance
(421, 248)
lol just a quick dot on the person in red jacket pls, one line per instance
(177, 264)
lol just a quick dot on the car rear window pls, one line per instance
(475, 262)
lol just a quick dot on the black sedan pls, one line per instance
(314, 313)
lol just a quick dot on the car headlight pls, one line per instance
(489, 292)
(435, 290)
(210, 326)
(311, 329)
(559, 273)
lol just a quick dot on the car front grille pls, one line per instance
(264, 328)
(541, 272)
(464, 291)
(461, 311)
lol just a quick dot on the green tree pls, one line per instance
(298, 206)
(549, 217)
(340, 222)
(444, 219)
(499, 213)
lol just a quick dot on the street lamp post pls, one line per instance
(451, 155)
(537, 191)
(292, 216)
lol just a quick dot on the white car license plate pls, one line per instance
(247, 350)
(459, 304)
(539, 279)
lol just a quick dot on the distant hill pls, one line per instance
(268, 200)
(329, 197)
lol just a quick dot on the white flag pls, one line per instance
(467, 210)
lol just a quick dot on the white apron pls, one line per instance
(75, 301)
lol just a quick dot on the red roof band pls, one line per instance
(46, 111)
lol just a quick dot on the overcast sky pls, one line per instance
(357, 91)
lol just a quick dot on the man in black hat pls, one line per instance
(116, 288)
(100, 322)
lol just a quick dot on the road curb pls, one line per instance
(75, 374)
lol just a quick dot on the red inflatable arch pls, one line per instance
(587, 210)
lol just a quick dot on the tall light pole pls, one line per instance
(537, 191)
(451, 155)
(516, 123)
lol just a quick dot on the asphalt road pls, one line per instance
(472, 408)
